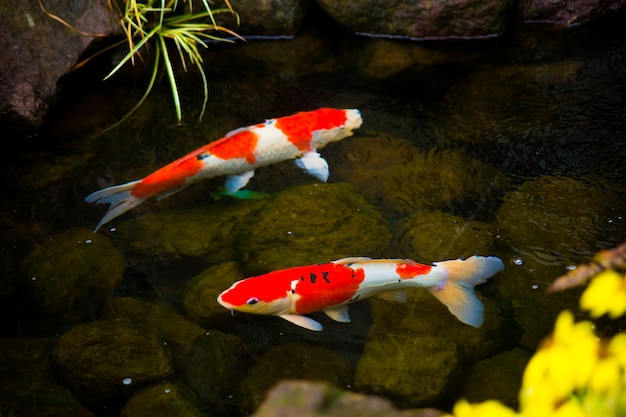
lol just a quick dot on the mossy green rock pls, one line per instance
(214, 369)
(405, 179)
(292, 361)
(174, 331)
(200, 300)
(430, 236)
(311, 224)
(163, 400)
(537, 219)
(423, 316)
(412, 371)
(208, 232)
(295, 398)
(71, 275)
(39, 398)
(497, 378)
(106, 355)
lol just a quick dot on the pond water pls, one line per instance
(511, 148)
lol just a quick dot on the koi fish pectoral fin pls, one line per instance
(339, 314)
(303, 321)
(312, 163)
(235, 183)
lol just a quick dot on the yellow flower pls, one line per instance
(490, 408)
(605, 294)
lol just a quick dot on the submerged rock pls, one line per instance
(39, 398)
(200, 300)
(408, 180)
(537, 219)
(270, 18)
(207, 232)
(107, 355)
(163, 400)
(311, 224)
(215, 368)
(313, 399)
(568, 12)
(71, 275)
(175, 333)
(430, 236)
(497, 378)
(413, 371)
(304, 362)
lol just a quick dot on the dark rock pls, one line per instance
(406, 180)
(271, 18)
(107, 355)
(32, 355)
(39, 398)
(208, 232)
(313, 399)
(215, 368)
(311, 224)
(430, 236)
(70, 276)
(497, 378)
(175, 333)
(200, 300)
(424, 316)
(166, 399)
(36, 51)
(305, 362)
(568, 12)
(421, 19)
(429, 363)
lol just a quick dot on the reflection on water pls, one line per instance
(513, 149)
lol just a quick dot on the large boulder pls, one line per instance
(567, 12)
(422, 19)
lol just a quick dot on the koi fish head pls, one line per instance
(332, 133)
(257, 296)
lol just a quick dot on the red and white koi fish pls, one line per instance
(237, 155)
(290, 293)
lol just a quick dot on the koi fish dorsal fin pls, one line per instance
(354, 259)
(397, 296)
(339, 314)
(303, 321)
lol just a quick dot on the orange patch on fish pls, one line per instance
(239, 145)
(326, 285)
(411, 270)
(299, 128)
(168, 177)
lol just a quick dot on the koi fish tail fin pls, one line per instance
(456, 289)
(119, 197)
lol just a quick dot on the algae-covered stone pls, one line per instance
(32, 355)
(429, 236)
(311, 224)
(412, 371)
(497, 378)
(295, 398)
(163, 400)
(292, 361)
(108, 354)
(406, 180)
(560, 220)
(72, 274)
(36, 398)
(214, 369)
(423, 315)
(200, 300)
(208, 232)
(175, 332)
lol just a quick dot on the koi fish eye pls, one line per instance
(252, 301)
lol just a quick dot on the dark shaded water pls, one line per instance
(521, 141)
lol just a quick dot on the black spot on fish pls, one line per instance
(293, 291)
(301, 278)
(202, 156)
(354, 299)
(313, 277)
(325, 276)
